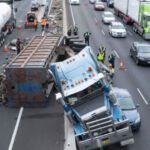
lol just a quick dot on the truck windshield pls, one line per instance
(82, 94)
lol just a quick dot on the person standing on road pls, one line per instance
(35, 24)
(18, 45)
(111, 59)
(101, 54)
(87, 37)
(69, 32)
(75, 30)
(43, 23)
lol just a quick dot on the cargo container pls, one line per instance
(27, 78)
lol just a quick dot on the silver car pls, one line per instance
(75, 2)
(92, 1)
(108, 17)
(124, 99)
(117, 29)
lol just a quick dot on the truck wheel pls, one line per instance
(130, 54)
(137, 61)
(134, 29)
(76, 49)
(79, 44)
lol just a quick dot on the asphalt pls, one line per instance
(133, 77)
(39, 128)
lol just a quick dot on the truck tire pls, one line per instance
(75, 40)
(76, 49)
(68, 38)
(79, 44)
(137, 61)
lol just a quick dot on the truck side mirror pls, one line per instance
(137, 105)
(58, 96)
(16, 9)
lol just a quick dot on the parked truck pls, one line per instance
(136, 13)
(7, 21)
(89, 102)
(39, 9)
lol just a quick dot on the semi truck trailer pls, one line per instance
(88, 102)
(136, 13)
(7, 21)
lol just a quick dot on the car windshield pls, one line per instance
(144, 49)
(117, 26)
(109, 15)
(99, 3)
(126, 103)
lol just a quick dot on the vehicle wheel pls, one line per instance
(3, 40)
(137, 61)
(76, 49)
(134, 29)
(79, 44)
(130, 54)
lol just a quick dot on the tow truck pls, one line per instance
(89, 102)
(37, 13)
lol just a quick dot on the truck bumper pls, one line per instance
(123, 136)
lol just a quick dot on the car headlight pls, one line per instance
(141, 58)
(115, 33)
(138, 119)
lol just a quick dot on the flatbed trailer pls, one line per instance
(27, 78)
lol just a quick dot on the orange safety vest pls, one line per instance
(35, 21)
(43, 22)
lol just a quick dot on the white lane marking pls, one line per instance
(116, 53)
(72, 14)
(103, 32)
(50, 6)
(142, 96)
(65, 27)
(15, 129)
(95, 20)
(130, 33)
(43, 33)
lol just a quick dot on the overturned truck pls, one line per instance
(89, 103)
(27, 79)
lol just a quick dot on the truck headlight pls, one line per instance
(95, 134)
(110, 130)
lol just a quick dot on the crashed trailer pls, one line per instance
(27, 78)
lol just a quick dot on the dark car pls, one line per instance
(35, 6)
(140, 52)
(110, 3)
(124, 99)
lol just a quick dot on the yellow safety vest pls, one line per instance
(100, 56)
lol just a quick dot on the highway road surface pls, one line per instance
(134, 78)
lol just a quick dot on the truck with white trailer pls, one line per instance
(7, 21)
(89, 103)
(136, 13)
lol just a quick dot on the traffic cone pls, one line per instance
(96, 22)
(19, 27)
(121, 65)
(6, 49)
